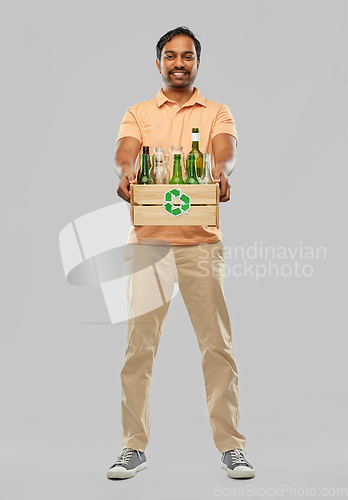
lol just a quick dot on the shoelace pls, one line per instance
(125, 456)
(237, 456)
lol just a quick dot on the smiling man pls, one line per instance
(178, 65)
(167, 120)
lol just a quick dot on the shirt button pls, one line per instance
(175, 106)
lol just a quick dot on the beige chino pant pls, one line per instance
(151, 271)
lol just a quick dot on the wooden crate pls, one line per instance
(152, 205)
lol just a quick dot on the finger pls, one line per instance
(226, 197)
(131, 179)
(223, 189)
(222, 194)
(223, 200)
(123, 195)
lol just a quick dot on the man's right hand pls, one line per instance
(127, 179)
(127, 150)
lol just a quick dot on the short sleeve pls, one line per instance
(129, 127)
(224, 123)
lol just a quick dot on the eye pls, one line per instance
(169, 56)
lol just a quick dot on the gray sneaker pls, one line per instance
(237, 467)
(127, 464)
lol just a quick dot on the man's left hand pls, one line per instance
(225, 188)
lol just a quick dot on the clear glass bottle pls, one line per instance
(159, 172)
(207, 176)
(191, 173)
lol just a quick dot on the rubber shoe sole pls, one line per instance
(122, 473)
(239, 472)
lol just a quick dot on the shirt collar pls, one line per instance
(196, 98)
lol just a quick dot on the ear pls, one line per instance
(158, 64)
(198, 63)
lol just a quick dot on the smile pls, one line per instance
(177, 73)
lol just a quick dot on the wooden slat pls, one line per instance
(157, 216)
(202, 194)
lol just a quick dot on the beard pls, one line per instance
(179, 83)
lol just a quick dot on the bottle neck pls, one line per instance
(195, 140)
(145, 162)
(192, 168)
(177, 169)
(206, 170)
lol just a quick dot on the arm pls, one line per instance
(127, 150)
(224, 147)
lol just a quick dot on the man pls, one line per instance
(164, 121)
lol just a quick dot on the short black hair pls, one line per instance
(181, 30)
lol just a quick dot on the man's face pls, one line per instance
(178, 65)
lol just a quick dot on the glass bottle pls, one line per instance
(159, 173)
(175, 150)
(191, 173)
(177, 174)
(144, 172)
(195, 151)
(207, 176)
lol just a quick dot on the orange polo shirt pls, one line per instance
(161, 122)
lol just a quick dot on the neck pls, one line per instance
(179, 95)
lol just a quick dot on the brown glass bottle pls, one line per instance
(195, 151)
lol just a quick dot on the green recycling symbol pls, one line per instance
(168, 205)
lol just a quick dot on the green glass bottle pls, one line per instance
(144, 172)
(191, 173)
(177, 173)
(195, 151)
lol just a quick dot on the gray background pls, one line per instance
(71, 70)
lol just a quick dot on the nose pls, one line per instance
(178, 62)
